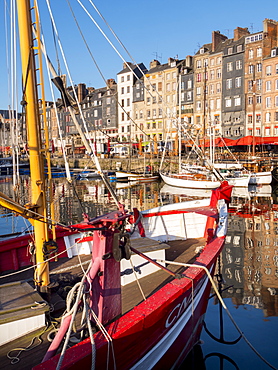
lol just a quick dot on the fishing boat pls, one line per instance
(142, 291)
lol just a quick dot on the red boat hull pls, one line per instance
(159, 332)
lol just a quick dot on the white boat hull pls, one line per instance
(187, 183)
(261, 178)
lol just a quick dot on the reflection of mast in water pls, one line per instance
(221, 338)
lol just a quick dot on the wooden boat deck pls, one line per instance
(68, 271)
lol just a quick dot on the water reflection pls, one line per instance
(248, 270)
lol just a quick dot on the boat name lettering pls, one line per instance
(176, 313)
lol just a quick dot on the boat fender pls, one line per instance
(49, 247)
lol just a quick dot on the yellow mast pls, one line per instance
(34, 139)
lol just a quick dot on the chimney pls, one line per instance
(154, 63)
(217, 37)
(239, 32)
(189, 61)
(81, 92)
(110, 82)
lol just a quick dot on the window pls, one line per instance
(259, 84)
(211, 104)
(259, 52)
(218, 88)
(258, 118)
(259, 67)
(212, 74)
(148, 114)
(267, 117)
(128, 89)
(123, 90)
(251, 54)
(198, 105)
(212, 62)
(237, 101)
(168, 87)
(276, 101)
(141, 114)
(229, 83)
(154, 87)
(123, 116)
(230, 51)
(95, 113)
(122, 79)
(250, 100)
(212, 89)
(268, 86)
(189, 84)
(251, 68)
(250, 118)
(267, 131)
(268, 102)
(154, 113)
(259, 99)
(276, 119)
(218, 103)
(160, 112)
(168, 76)
(159, 86)
(128, 77)
(128, 102)
(219, 60)
(238, 64)
(228, 102)
(174, 86)
(268, 70)
(239, 48)
(189, 95)
(250, 85)
(199, 63)
(238, 82)
(199, 77)
(229, 67)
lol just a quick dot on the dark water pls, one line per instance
(247, 272)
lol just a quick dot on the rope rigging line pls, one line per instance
(100, 72)
(88, 144)
(222, 303)
(123, 59)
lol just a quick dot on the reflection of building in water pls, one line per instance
(250, 256)
(93, 198)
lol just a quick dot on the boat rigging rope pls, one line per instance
(222, 303)
(47, 260)
(137, 280)
(72, 311)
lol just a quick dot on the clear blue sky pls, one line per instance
(148, 29)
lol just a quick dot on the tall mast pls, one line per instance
(38, 198)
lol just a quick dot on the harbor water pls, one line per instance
(245, 337)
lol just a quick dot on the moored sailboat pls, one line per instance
(118, 328)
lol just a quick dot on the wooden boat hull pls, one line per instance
(143, 178)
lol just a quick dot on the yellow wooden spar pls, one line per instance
(38, 197)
